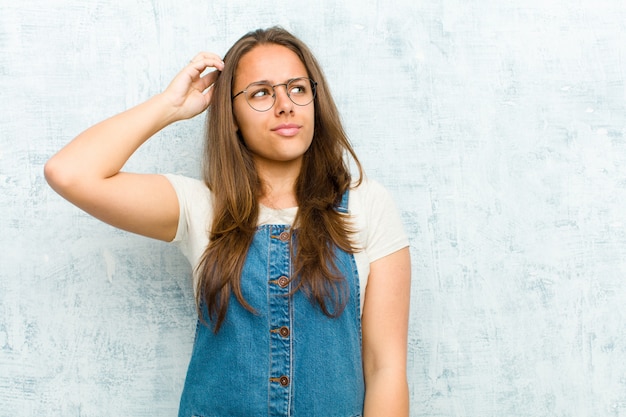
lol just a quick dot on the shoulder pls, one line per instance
(369, 194)
(367, 185)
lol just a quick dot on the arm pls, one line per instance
(86, 171)
(385, 327)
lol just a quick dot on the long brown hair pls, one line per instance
(230, 174)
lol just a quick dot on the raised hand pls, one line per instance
(87, 170)
(190, 92)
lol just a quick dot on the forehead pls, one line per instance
(273, 63)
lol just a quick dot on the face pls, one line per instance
(280, 136)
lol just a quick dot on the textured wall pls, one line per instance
(499, 126)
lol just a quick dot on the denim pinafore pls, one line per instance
(288, 359)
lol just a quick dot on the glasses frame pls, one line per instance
(286, 85)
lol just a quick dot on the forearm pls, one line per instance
(386, 394)
(102, 150)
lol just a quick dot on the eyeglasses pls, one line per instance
(261, 95)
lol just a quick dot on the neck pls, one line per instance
(278, 184)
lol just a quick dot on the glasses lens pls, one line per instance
(260, 96)
(301, 91)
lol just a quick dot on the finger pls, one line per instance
(206, 81)
(200, 69)
(206, 60)
(203, 55)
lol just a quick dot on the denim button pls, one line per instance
(283, 380)
(284, 331)
(284, 236)
(283, 281)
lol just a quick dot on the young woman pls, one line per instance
(301, 272)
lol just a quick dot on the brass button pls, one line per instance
(283, 281)
(284, 331)
(284, 236)
(283, 380)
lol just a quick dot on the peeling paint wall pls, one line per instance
(499, 126)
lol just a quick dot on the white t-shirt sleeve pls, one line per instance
(380, 222)
(378, 225)
(194, 200)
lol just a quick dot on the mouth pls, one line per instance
(287, 129)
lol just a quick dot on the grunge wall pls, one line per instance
(499, 127)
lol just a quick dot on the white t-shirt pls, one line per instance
(374, 216)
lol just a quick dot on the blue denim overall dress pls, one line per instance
(288, 359)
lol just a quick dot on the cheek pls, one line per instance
(236, 117)
(244, 124)
(242, 117)
(247, 125)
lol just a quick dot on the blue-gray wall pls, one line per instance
(499, 126)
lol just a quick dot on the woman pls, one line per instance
(302, 280)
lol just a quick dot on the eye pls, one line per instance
(298, 87)
(260, 91)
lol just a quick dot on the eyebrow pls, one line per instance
(270, 83)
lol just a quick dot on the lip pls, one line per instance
(287, 129)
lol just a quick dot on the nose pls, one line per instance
(283, 102)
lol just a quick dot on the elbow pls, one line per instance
(50, 172)
(57, 175)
